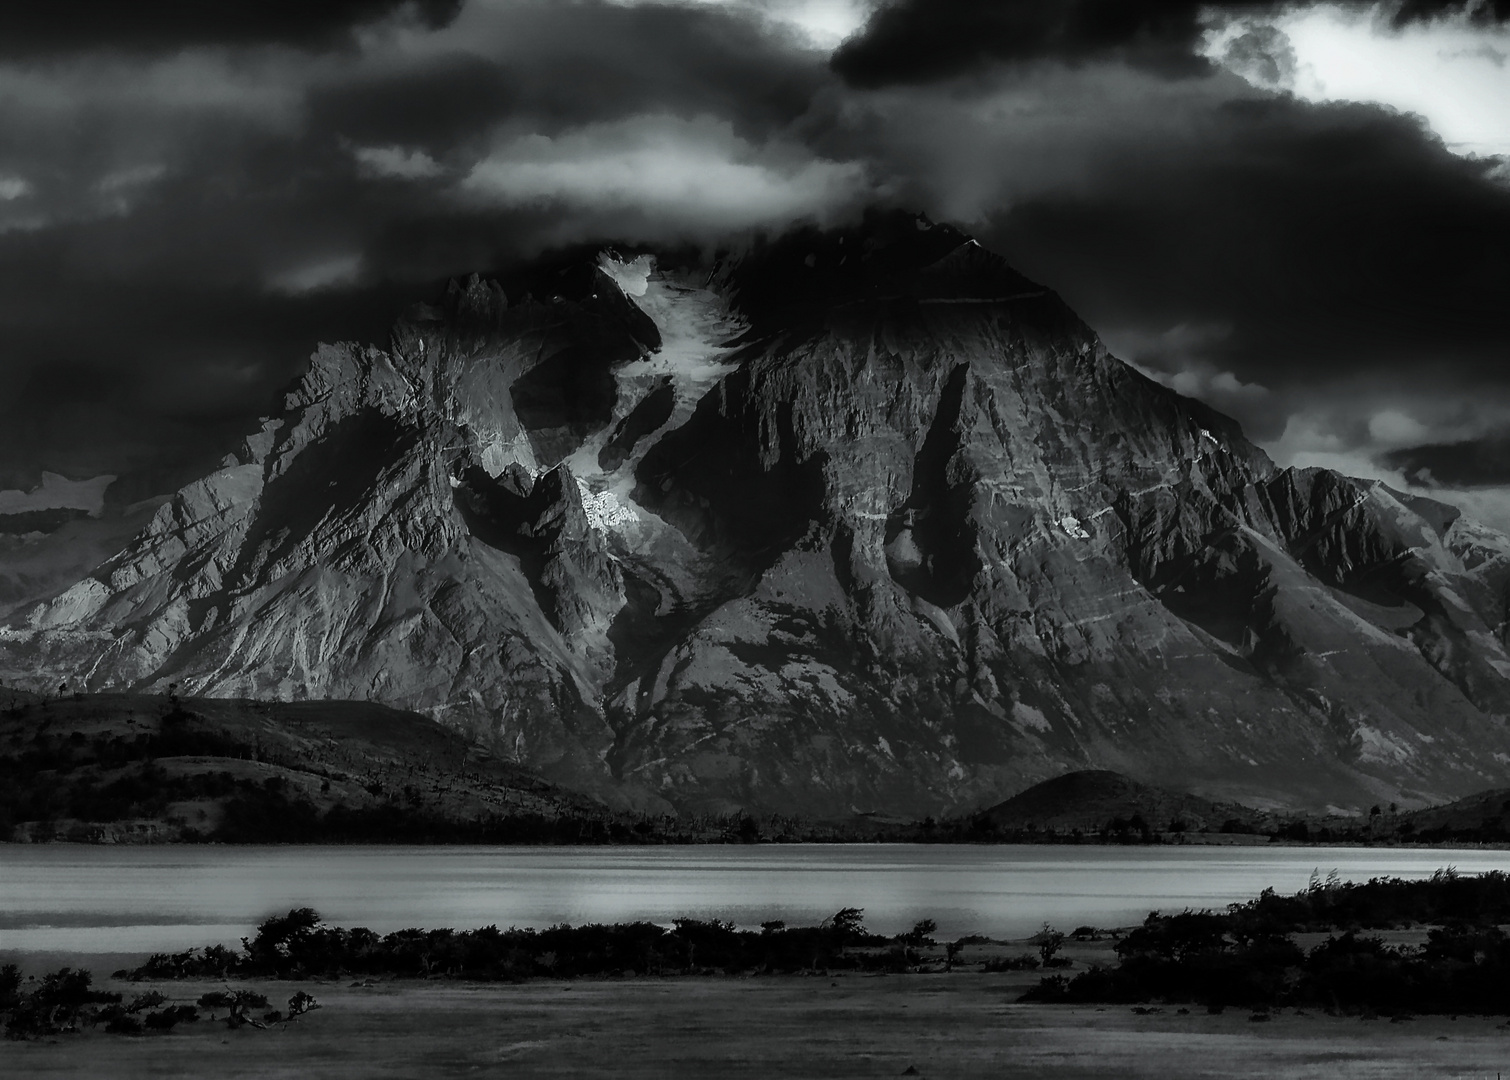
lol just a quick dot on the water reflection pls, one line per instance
(125, 899)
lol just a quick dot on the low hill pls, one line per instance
(1096, 801)
(142, 767)
(1481, 818)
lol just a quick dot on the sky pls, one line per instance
(1298, 212)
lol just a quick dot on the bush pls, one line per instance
(63, 1001)
(235, 1003)
(124, 1025)
(150, 1000)
(167, 1019)
(1025, 962)
(1245, 957)
(299, 945)
(10, 986)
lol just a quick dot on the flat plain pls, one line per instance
(963, 1024)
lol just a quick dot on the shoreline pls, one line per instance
(1064, 842)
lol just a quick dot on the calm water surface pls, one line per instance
(67, 898)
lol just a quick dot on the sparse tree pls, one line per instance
(236, 1003)
(952, 952)
(1049, 942)
(301, 1003)
(918, 936)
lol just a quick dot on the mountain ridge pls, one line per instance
(859, 519)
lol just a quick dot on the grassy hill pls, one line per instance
(133, 768)
(1099, 804)
(1482, 818)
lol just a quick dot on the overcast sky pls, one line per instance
(1299, 212)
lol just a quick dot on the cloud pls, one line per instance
(680, 176)
(1218, 388)
(567, 64)
(1262, 54)
(155, 26)
(1181, 358)
(920, 41)
(1347, 249)
(324, 273)
(1481, 12)
(820, 24)
(1394, 427)
(13, 187)
(916, 41)
(1446, 71)
(206, 202)
(1468, 464)
(134, 176)
(397, 163)
(58, 493)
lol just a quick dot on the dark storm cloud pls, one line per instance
(917, 41)
(180, 225)
(1331, 242)
(1474, 463)
(156, 26)
(575, 63)
(1229, 238)
(1483, 12)
(920, 41)
(153, 376)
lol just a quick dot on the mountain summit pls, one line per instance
(859, 520)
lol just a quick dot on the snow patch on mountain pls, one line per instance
(605, 510)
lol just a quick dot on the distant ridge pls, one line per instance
(1090, 799)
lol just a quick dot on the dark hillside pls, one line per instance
(141, 767)
(1096, 800)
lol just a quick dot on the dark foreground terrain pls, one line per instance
(958, 1025)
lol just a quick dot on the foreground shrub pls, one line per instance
(64, 1001)
(1245, 957)
(299, 945)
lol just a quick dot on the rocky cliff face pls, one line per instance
(860, 520)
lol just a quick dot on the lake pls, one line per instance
(97, 900)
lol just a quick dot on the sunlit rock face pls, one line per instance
(859, 521)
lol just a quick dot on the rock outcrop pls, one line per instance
(859, 520)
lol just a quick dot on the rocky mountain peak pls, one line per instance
(854, 519)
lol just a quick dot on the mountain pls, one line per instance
(858, 520)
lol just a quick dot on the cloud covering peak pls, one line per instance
(188, 204)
